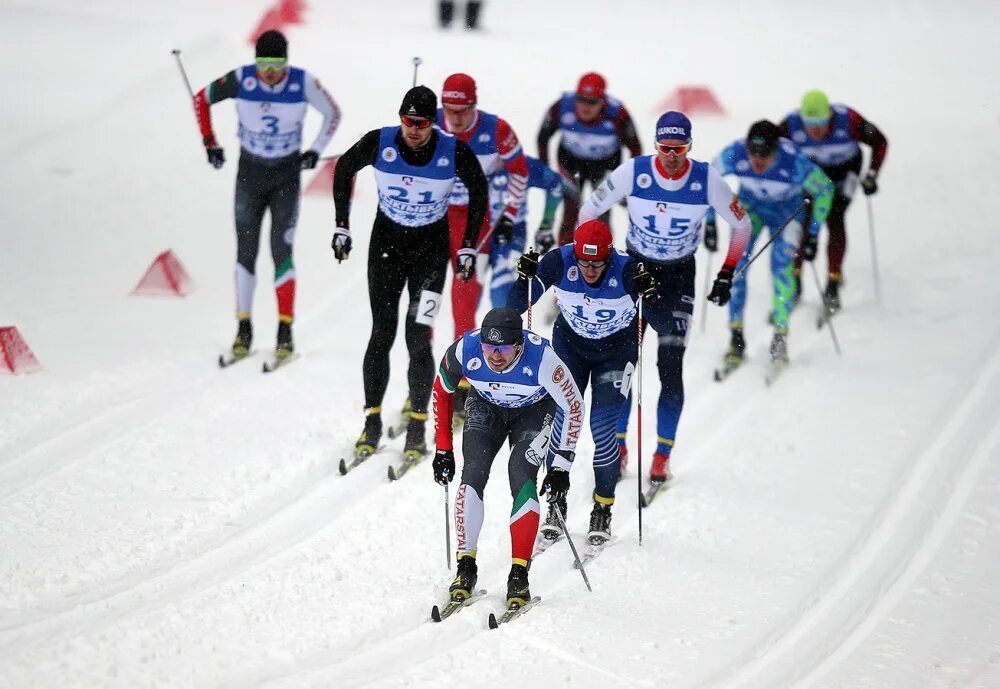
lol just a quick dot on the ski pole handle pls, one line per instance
(180, 65)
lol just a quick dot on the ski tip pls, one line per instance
(717, 375)
(493, 621)
(436, 614)
(265, 368)
(343, 467)
(392, 474)
(222, 361)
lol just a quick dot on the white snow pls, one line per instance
(167, 524)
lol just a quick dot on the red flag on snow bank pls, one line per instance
(165, 277)
(693, 100)
(15, 356)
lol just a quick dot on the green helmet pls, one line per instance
(815, 108)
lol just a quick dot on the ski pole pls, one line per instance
(447, 529)
(774, 235)
(180, 65)
(530, 281)
(416, 64)
(638, 374)
(871, 236)
(708, 286)
(576, 556)
(826, 311)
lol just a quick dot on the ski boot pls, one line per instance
(446, 10)
(831, 295)
(551, 529)
(367, 442)
(517, 586)
(465, 578)
(244, 337)
(458, 407)
(660, 471)
(600, 524)
(472, 14)
(779, 348)
(415, 447)
(737, 347)
(284, 347)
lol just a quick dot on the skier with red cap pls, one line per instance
(668, 196)
(596, 288)
(595, 127)
(499, 151)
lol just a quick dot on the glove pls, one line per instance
(308, 160)
(341, 243)
(809, 246)
(545, 239)
(527, 265)
(868, 184)
(711, 236)
(503, 231)
(216, 157)
(556, 484)
(645, 284)
(465, 263)
(720, 288)
(444, 466)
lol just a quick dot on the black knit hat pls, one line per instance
(502, 326)
(762, 139)
(419, 101)
(272, 44)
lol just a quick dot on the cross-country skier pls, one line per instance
(271, 98)
(595, 334)
(668, 195)
(517, 383)
(415, 168)
(593, 128)
(775, 181)
(829, 135)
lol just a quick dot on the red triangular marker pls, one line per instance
(693, 100)
(165, 277)
(15, 355)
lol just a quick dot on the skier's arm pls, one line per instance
(615, 187)
(443, 396)
(468, 169)
(820, 189)
(550, 125)
(549, 270)
(723, 163)
(321, 99)
(512, 155)
(728, 206)
(222, 88)
(626, 132)
(358, 156)
(867, 133)
(555, 376)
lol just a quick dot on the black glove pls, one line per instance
(308, 160)
(527, 265)
(503, 231)
(545, 238)
(444, 466)
(556, 484)
(720, 288)
(465, 263)
(216, 157)
(868, 184)
(645, 284)
(711, 236)
(341, 243)
(809, 246)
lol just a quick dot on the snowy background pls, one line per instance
(165, 524)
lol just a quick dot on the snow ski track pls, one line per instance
(901, 539)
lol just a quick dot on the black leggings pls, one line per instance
(398, 257)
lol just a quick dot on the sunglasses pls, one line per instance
(676, 150)
(272, 62)
(591, 264)
(588, 101)
(415, 122)
(815, 121)
(505, 350)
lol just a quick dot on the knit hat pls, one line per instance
(591, 85)
(762, 139)
(272, 44)
(815, 108)
(501, 326)
(673, 125)
(592, 241)
(459, 89)
(419, 101)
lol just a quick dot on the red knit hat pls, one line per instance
(459, 89)
(591, 85)
(592, 241)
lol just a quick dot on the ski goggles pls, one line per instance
(591, 264)
(815, 121)
(588, 101)
(419, 123)
(676, 150)
(277, 63)
(505, 349)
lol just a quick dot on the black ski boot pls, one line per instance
(551, 530)
(779, 348)
(416, 436)
(517, 586)
(367, 443)
(737, 347)
(284, 347)
(465, 578)
(472, 14)
(244, 337)
(446, 10)
(600, 524)
(831, 295)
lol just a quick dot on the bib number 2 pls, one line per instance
(428, 307)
